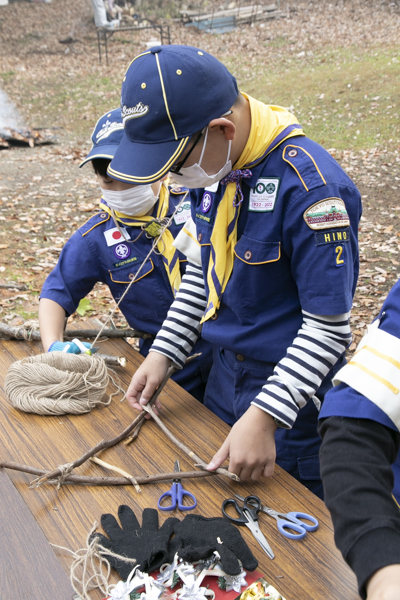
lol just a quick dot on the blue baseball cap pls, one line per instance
(106, 136)
(168, 94)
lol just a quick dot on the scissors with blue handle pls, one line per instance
(248, 516)
(289, 522)
(177, 494)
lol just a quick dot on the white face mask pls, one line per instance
(136, 201)
(196, 177)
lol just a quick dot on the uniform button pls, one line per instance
(199, 237)
(248, 255)
(240, 357)
(214, 317)
(103, 215)
(292, 152)
(131, 275)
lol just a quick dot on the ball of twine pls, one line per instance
(57, 383)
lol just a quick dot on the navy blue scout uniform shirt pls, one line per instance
(286, 260)
(297, 249)
(87, 259)
(344, 401)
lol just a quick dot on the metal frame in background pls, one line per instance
(104, 34)
(223, 20)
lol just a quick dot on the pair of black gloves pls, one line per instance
(194, 538)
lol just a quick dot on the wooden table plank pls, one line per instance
(28, 566)
(311, 567)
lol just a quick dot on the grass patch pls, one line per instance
(7, 76)
(344, 99)
(73, 101)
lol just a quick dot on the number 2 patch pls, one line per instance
(340, 256)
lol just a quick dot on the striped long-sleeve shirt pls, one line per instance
(319, 343)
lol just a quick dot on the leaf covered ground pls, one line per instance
(336, 65)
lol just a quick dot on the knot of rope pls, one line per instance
(236, 177)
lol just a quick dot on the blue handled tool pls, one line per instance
(177, 494)
(288, 522)
(248, 516)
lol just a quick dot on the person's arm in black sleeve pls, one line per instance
(356, 455)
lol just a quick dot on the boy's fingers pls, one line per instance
(219, 457)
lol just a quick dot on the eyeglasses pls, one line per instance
(178, 166)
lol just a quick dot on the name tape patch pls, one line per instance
(203, 217)
(332, 237)
(122, 263)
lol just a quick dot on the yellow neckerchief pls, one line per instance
(169, 254)
(270, 125)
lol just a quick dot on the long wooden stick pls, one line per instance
(184, 448)
(22, 333)
(82, 479)
(60, 472)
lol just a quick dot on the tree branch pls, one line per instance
(23, 333)
(184, 448)
(63, 470)
(82, 479)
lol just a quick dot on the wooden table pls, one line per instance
(30, 518)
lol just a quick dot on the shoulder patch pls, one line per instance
(178, 190)
(94, 221)
(326, 214)
(304, 165)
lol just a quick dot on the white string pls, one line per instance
(92, 564)
(153, 248)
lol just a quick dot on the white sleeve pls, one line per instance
(319, 343)
(186, 242)
(181, 328)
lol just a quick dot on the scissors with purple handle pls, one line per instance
(177, 495)
(291, 521)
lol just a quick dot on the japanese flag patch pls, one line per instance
(263, 195)
(113, 236)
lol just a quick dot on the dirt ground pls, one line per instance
(44, 196)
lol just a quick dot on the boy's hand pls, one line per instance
(250, 446)
(385, 584)
(147, 379)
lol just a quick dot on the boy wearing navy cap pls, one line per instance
(272, 249)
(360, 464)
(112, 246)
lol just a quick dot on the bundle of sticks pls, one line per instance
(31, 137)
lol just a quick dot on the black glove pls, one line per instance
(196, 538)
(148, 544)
